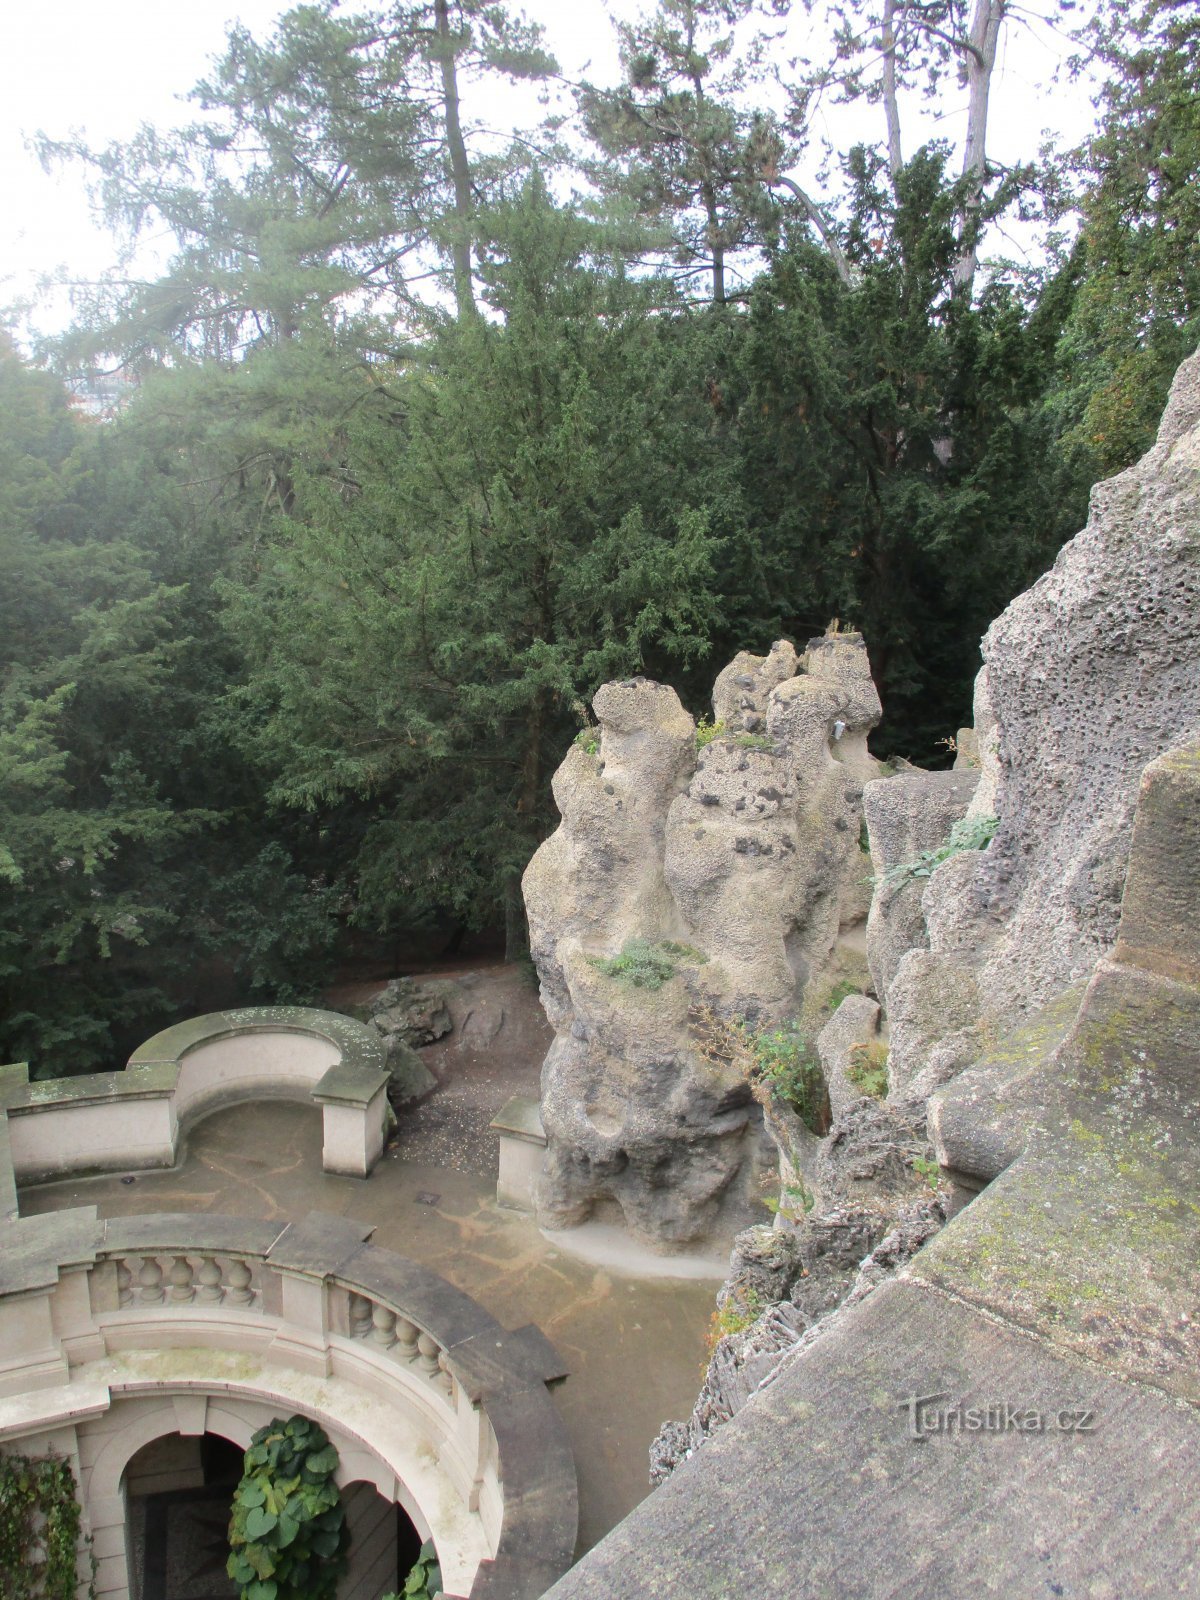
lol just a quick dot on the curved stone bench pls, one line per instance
(116, 1121)
(114, 1333)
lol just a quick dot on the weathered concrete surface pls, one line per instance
(1092, 1236)
(737, 862)
(816, 1489)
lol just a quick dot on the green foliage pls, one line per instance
(968, 833)
(838, 993)
(643, 965)
(683, 952)
(785, 1063)
(521, 531)
(794, 1201)
(670, 137)
(707, 730)
(867, 1069)
(588, 741)
(928, 1171)
(753, 741)
(39, 1528)
(287, 1531)
(1136, 312)
(425, 1579)
(738, 1313)
(133, 840)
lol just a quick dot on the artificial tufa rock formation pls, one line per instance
(981, 960)
(1089, 675)
(697, 879)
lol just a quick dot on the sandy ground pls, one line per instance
(634, 1346)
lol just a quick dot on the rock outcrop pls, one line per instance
(686, 883)
(1088, 676)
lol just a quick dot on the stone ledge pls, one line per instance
(153, 1081)
(520, 1118)
(817, 1489)
(357, 1044)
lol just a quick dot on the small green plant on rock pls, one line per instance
(778, 1063)
(588, 740)
(754, 741)
(838, 993)
(425, 1579)
(647, 966)
(785, 1063)
(39, 1528)
(795, 1201)
(928, 1171)
(867, 1068)
(287, 1533)
(707, 731)
(968, 833)
(738, 1313)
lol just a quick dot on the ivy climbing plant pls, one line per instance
(287, 1533)
(425, 1579)
(39, 1528)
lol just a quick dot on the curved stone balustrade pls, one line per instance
(115, 1121)
(218, 1324)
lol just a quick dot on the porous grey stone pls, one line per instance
(855, 1023)
(1091, 673)
(739, 855)
(1088, 675)
(906, 815)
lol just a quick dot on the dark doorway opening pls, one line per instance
(179, 1490)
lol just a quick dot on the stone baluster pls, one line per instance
(446, 1378)
(360, 1316)
(181, 1291)
(150, 1277)
(124, 1282)
(239, 1292)
(427, 1355)
(210, 1291)
(383, 1326)
(407, 1334)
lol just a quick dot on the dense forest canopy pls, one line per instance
(428, 433)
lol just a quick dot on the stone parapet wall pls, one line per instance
(117, 1332)
(119, 1121)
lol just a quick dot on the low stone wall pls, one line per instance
(118, 1121)
(115, 1333)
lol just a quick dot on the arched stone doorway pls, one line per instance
(384, 1544)
(178, 1489)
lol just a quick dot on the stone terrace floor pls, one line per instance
(634, 1347)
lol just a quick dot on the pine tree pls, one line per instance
(520, 532)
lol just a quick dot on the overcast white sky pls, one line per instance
(106, 68)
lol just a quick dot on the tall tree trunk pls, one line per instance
(979, 55)
(718, 249)
(460, 166)
(891, 104)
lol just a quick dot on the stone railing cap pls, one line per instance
(350, 1083)
(520, 1118)
(141, 1082)
(358, 1045)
